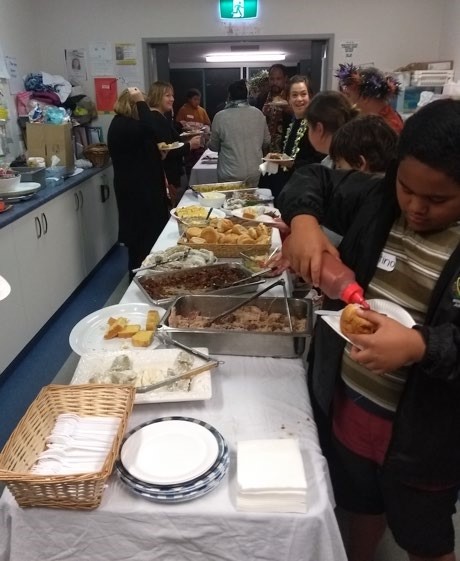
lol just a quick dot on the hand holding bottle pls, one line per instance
(305, 247)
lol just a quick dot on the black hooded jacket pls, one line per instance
(425, 446)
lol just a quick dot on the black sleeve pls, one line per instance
(442, 356)
(333, 197)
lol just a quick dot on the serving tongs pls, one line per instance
(280, 282)
(209, 364)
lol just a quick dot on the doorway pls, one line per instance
(182, 62)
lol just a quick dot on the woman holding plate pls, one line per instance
(160, 98)
(297, 149)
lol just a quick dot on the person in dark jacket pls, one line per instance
(139, 178)
(388, 406)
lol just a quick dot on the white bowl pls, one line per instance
(212, 199)
(10, 183)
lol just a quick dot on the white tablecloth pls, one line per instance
(253, 398)
(204, 173)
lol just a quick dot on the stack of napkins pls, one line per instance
(271, 476)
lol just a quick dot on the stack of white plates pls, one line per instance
(173, 459)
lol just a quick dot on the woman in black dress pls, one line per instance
(296, 143)
(139, 177)
(160, 99)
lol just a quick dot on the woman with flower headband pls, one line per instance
(371, 91)
(296, 144)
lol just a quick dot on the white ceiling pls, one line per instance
(190, 53)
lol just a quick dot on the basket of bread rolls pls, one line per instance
(227, 238)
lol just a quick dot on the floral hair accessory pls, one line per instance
(370, 82)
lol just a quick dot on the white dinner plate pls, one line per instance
(261, 216)
(200, 385)
(216, 213)
(26, 188)
(175, 146)
(169, 452)
(393, 311)
(88, 335)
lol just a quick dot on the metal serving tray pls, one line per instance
(242, 343)
(175, 277)
(227, 188)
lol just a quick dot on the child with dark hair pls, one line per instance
(326, 113)
(387, 405)
(366, 144)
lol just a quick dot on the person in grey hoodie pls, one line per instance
(240, 135)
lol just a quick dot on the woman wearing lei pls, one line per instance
(371, 90)
(296, 144)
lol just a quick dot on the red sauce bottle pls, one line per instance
(339, 281)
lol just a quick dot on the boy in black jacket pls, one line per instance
(388, 406)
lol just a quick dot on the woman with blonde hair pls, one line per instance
(139, 178)
(160, 99)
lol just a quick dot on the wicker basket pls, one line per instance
(97, 154)
(82, 491)
(226, 250)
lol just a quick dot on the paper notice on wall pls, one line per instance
(3, 69)
(101, 58)
(349, 47)
(16, 83)
(127, 67)
(76, 64)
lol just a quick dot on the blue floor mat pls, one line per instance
(44, 356)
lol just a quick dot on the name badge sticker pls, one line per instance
(387, 262)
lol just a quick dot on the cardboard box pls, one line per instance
(48, 140)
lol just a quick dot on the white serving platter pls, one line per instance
(200, 385)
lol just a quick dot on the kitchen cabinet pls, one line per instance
(51, 265)
(12, 310)
(48, 252)
(99, 217)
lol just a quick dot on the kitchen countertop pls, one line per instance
(46, 194)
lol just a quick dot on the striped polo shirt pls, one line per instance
(408, 270)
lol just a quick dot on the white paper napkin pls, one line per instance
(270, 476)
(273, 465)
(268, 168)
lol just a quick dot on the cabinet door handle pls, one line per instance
(38, 227)
(81, 198)
(44, 223)
(77, 201)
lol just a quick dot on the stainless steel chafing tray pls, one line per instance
(243, 343)
(176, 276)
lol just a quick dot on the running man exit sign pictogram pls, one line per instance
(238, 9)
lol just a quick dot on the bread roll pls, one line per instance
(209, 234)
(253, 233)
(193, 232)
(230, 238)
(353, 324)
(224, 225)
(197, 239)
(238, 229)
(244, 239)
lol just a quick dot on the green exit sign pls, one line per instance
(238, 9)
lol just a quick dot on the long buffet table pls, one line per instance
(204, 171)
(253, 398)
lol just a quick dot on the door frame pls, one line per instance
(149, 46)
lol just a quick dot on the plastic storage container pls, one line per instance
(37, 175)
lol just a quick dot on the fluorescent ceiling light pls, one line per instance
(248, 56)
